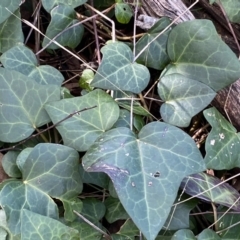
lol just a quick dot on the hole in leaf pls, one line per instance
(156, 174)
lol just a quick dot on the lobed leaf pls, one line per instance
(63, 16)
(36, 226)
(146, 171)
(21, 103)
(80, 131)
(184, 98)
(155, 55)
(198, 52)
(118, 71)
(223, 142)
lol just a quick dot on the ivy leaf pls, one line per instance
(93, 209)
(115, 210)
(232, 8)
(118, 71)
(23, 60)
(36, 225)
(49, 170)
(198, 52)
(123, 12)
(69, 206)
(155, 55)
(15, 196)
(208, 234)
(145, 169)
(179, 215)
(80, 131)
(21, 103)
(229, 219)
(185, 234)
(9, 164)
(63, 16)
(48, 5)
(11, 5)
(184, 98)
(223, 142)
(128, 230)
(12, 28)
(212, 189)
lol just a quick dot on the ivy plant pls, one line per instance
(59, 146)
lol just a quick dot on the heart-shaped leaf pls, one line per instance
(118, 71)
(198, 52)
(212, 189)
(49, 170)
(184, 98)
(48, 5)
(21, 103)
(7, 7)
(63, 16)
(23, 60)
(35, 226)
(155, 55)
(123, 12)
(80, 131)
(223, 142)
(232, 8)
(146, 171)
(12, 28)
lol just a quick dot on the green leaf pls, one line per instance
(63, 16)
(7, 7)
(115, 210)
(15, 196)
(10, 30)
(25, 109)
(85, 80)
(21, 103)
(86, 232)
(124, 120)
(9, 164)
(155, 55)
(198, 52)
(80, 131)
(48, 5)
(118, 71)
(223, 142)
(123, 12)
(232, 8)
(69, 206)
(36, 226)
(183, 234)
(208, 234)
(57, 167)
(184, 98)
(99, 179)
(93, 209)
(226, 225)
(146, 169)
(50, 169)
(22, 157)
(129, 230)
(212, 189)
(178, 218)
(23, 60)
